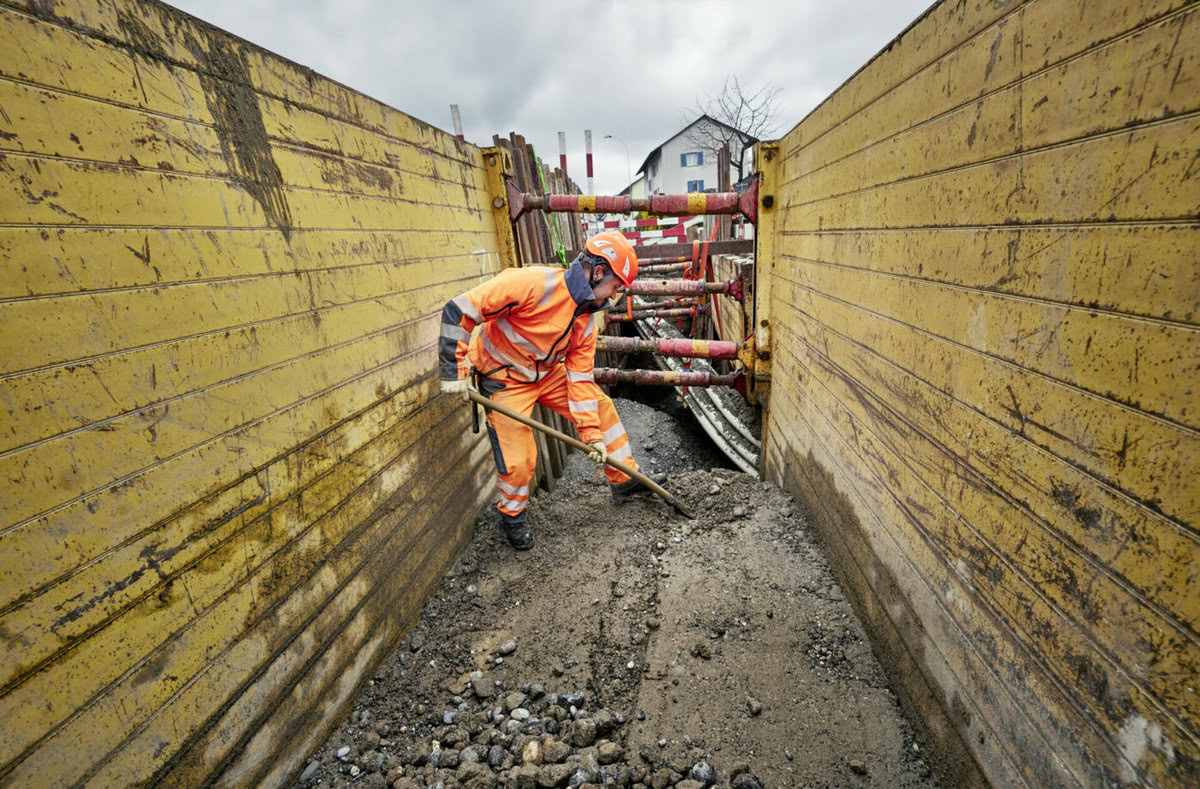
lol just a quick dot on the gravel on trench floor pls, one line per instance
(633, 647)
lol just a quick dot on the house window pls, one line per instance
(695, 186)
(691, 159)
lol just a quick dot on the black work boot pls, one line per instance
(631, 487)
(518, 532)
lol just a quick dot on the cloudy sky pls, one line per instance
(629, 69)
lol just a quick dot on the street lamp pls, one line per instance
(628, 174)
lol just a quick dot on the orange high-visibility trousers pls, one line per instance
(513, 445)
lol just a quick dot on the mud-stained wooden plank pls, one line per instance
(313, 151)
(1143, 174)
(50, 402)
(941, 29)
(1002, 174)
(340, 669)
(1128, 540)
(111, 322)
(300, 506)
(1143, 457)
(1024, 703)
(1147, 365)
(53, 192)
(63, 261)
(1077, 613)
(975, 676)
(243, 632)
(150, 57)
(233, 268)
(1016, 108)
(120, 506)
(1146, 270)
(50, 615)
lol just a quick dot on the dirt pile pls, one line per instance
(632, 647)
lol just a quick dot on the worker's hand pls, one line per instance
(460, 388)
(597, 453)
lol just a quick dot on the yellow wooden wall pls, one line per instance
(984, 301)
(225, 463)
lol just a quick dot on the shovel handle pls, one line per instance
(487, 402)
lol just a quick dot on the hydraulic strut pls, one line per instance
(685, 287)
(663, 268)
(654, 261)
(611, 375)
(620, 317)
(692, 204)
(704, 349)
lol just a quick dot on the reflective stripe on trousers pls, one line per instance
(516, 450)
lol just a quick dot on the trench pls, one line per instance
(642, 649)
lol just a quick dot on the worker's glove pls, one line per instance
(459, 388)
(597, 453)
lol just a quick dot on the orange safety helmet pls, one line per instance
(618, 252)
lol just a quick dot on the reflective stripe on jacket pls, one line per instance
(533, 319)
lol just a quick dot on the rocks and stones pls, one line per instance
(310, 770)
(554, 775)
(520, 714)
(605, 722)
(532, 753)
(372, 761)
(754, 706)
(343, 753)
(495, 756)
(513, 700)
(481, 685)
(858, 767)
(555, 751)
(525, 776)
(739, 512)
(703, 772)
(608, 752)
(507, 647)
(745, 780)
(583, 732)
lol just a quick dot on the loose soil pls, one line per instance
(724, 641)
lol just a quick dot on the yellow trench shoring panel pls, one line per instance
(984, 317)
(222, 438)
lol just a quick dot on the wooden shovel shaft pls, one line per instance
(536, 425)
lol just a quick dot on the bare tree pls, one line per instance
(744, 116)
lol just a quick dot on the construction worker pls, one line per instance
(538, 345)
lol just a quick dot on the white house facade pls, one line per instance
(681, 164)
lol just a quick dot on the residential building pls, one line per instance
(683, 164)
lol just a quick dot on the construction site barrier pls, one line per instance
(692, 204)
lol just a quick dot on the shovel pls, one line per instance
(563, 437)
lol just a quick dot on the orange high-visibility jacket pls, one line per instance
(534, 318)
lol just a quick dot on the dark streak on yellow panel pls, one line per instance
(984, 306)
(224, 275)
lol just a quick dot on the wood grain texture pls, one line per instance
(984, 345)
(224, 278)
